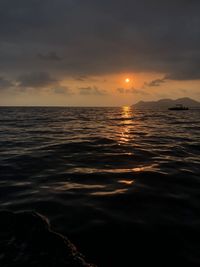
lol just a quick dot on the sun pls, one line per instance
(127, 80)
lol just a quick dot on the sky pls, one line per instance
(80, 52)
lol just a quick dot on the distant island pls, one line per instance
(166, 103)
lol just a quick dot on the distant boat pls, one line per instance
(179, 107)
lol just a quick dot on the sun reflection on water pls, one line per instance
(126, 115)
(107, 193)
(126, 182)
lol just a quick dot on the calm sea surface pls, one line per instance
(106, 177)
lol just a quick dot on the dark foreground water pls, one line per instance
(123, 185)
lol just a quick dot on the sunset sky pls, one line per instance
(80, 52)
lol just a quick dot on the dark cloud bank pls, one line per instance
(36, 80)
(96, 37)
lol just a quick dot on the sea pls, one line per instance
(122, 184)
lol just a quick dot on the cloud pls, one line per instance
(51, 56)
(102, 37)
(62, 90)
(92, 91)
(81, 78)
(156, 82)
(184, 90)
(125, 91)
(36, 80)
(132, 91)
(5, 83)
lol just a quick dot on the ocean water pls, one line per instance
(122, 184)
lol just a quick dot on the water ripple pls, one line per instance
(86, 168)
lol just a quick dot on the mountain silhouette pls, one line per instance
(167, 102)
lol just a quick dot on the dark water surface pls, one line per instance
(106, 177)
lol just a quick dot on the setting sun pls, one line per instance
(127, 80)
